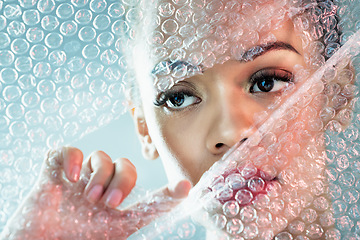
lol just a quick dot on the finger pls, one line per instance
(64, 159)
(178, 190)
(72, 162)
(102, 170)
(122, 183)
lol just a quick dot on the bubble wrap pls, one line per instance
(61, 77)
(67, 66)
(240, 197)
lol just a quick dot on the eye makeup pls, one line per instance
(269, 80)
(178, 97)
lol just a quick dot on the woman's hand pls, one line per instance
(110, 182)
(77, 199)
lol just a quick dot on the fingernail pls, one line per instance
(114, 198)
(182, 189)
(75, 173)
(95, 193)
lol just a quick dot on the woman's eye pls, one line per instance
(177, 100)
(270, 85)
(270, 81)
(180, 100)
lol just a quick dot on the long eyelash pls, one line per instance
(163, 97)
(282, 75)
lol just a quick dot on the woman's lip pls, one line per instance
(243, 189)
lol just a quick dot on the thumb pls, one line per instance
(178, 190)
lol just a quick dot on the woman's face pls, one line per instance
(195, 122)
(280, 175)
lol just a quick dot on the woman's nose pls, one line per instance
(233, 121)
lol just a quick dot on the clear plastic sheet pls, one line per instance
(61, 78)
(64, 74)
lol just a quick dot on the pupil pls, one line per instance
(178, 100)
(266, 85)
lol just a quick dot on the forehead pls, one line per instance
(210, 26)
(184, 37)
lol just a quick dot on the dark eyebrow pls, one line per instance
(248, 55)
(259, 50)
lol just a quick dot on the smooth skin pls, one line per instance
(220, 111)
